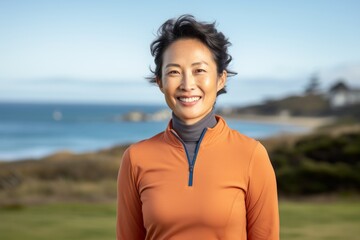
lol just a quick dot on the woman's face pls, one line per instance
(190, 81)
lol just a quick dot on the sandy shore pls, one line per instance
(306, 122)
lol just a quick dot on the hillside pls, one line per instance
(311, 105)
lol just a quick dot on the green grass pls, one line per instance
(59, 221)
(299, 220)
(330, 221)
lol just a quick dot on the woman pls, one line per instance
(198, 179)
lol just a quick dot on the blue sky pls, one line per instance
(98, 51)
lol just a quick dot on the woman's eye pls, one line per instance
(172, 72)
(200, 70)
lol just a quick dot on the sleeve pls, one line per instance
(129, 213)
(262, 211)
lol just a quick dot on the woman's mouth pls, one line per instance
(189, 99)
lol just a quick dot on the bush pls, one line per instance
(318, 164)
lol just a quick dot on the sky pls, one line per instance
(98, 51)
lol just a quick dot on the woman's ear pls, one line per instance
(159, 83)
(221, 82)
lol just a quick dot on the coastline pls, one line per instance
(310, 123)
(306, 124)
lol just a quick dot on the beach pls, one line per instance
(310, 123)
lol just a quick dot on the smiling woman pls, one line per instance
(189, 80)
(230, 193)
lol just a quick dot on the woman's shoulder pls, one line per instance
(241, 137)
(232, 135)
(147, 143)
(141, 153)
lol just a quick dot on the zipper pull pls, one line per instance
(191, 172)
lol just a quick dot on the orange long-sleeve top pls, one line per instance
(228, 192)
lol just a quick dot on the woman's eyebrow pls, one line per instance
(172, 65)
(199, 63)
(193, 64)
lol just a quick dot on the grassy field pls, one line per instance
(321, 220)
(59, 221)
(299, 220)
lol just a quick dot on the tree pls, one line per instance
(313, 85)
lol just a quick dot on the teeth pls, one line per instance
(191, 99)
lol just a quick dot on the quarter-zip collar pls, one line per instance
(208, 136)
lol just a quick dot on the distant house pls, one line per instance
(341, 95)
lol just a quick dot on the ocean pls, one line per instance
(34, 130)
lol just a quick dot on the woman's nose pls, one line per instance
(187, 82)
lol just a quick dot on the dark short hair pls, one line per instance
(186, 26)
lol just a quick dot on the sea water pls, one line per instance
(33, 130)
